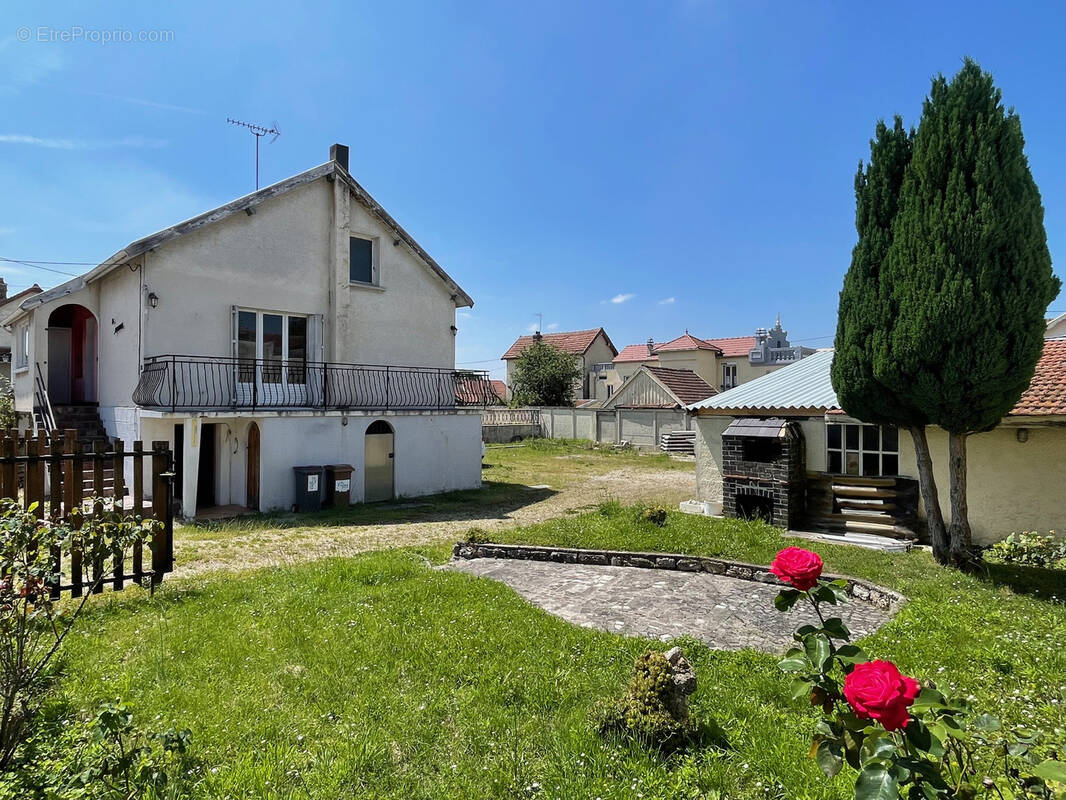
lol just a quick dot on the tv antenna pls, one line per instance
(540, 322)
(258, 131)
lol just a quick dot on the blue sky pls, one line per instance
(648, 167)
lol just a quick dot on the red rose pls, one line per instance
(798, 567)
(877, 690)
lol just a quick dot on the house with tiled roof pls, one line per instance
(7, 339)
(808, 465)
(722, 363)
(592, 348)
(1056, 327)
(661, 387)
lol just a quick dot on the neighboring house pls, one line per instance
(1056, 327)
(8, 349)
(243, 338)
(722, 363)
(592, 348)
(660, 387)
(781, 447)
(473, 393)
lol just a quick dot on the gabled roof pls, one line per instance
(250, 201)
(635, 352)
(804, 388)
(473, 392)
(734, 346)
(800, 388)
(685, 342)
(1046, 395)
(35, 289)
(684, 384)
(576, 342)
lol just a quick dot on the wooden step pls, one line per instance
(852, 490)
(865, 502)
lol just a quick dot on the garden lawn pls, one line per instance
(378, 676)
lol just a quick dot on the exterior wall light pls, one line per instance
(1023, 435)
(153, 300)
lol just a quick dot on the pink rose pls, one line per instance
(798, 567)
(877, 690)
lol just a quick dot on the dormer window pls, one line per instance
(361, 266)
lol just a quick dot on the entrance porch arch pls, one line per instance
(72, 348)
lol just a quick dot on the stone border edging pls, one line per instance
(863, 591)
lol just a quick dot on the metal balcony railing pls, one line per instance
(184, 383)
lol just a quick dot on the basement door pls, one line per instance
(378, 463)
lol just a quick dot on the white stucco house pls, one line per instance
(298, 325)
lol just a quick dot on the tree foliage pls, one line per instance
(942, 312)
(969, 269)
(545, 375)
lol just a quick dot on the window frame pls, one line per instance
(860, 449)
(22, 347)
(729, 367)
(289, 371)
(375, 251)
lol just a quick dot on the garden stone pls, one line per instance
(683, 677)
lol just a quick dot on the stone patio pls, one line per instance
(725, 613)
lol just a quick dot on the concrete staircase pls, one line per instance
(92, 436)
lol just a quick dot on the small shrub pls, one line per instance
(33, 624)
(645, 712)
(106, 758)
(1031, 549)
(478, 536)
(609, 508)
(655, 515)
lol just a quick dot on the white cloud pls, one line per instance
(667, 301)
(552, 326)
(52, 143)
(622, 298)
(532, 327)
(150, 103)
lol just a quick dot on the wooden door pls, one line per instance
(253, 467)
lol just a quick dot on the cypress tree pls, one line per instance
(969, 274)
(866, 315)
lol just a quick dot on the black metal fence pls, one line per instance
(202, 382)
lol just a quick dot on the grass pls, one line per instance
(378, 676)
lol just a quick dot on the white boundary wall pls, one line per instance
(640, 427)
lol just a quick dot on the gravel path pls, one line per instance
(236, 549)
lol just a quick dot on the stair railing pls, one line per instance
(42, 403)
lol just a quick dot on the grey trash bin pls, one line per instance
(308, 485)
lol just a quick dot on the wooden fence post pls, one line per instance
(118, 479)
(8, 471)
(98, 511)
(138, 507)
(73, 486)
(160, 500)
(55, 506)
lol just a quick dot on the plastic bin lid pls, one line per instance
(339, 466)
(311, 468)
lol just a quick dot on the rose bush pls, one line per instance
(904, 739)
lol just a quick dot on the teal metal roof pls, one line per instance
(802, 386)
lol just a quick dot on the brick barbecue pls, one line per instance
(763, 466)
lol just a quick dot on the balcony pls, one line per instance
(204, 383)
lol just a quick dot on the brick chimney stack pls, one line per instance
(651, 347)
(3, 290)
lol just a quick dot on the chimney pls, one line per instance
(651, 347)
(537, 337)
(3, 290)
(339, 153)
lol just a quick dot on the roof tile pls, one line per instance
(685, 384)
(1046, 394)
(576, 342)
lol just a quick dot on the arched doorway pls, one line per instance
(71, 355)
(378, 462)
(253, 467)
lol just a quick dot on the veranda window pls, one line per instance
(271, 350)
(857, 449)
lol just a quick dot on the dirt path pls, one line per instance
(235, 549)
